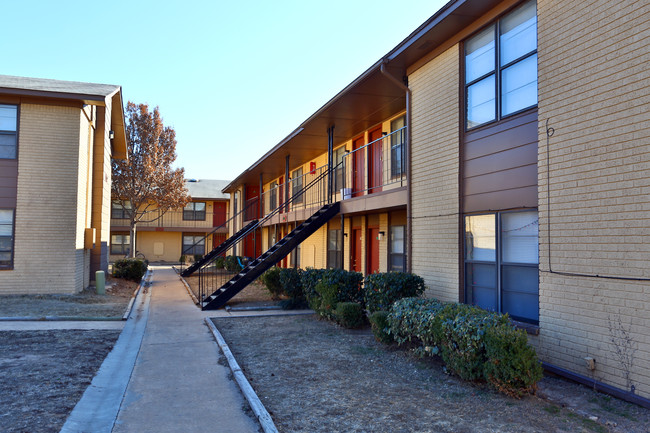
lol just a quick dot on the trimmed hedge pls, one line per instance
(380, 327)
(350, 315)
(382, 290)
(130, 269)
(334, 286)
(475, 344)
(271, 279)
(291, 286)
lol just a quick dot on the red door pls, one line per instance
(252, 202)
(372, 251)
(355, 247)
(218, 213)
(375, 161)
(358, 167)
(218, 239)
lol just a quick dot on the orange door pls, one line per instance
(358, 167)
(372, 251)
(355, 247)
(375, 161)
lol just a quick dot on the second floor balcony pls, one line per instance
(176, 220)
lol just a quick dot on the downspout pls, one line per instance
(407, 144)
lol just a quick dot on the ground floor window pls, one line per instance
(193, 245)
(501, 263)
(334, 250)
(397, 248)
(120, 244)
(6, 238)
(295, 257)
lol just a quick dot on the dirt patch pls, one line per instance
(255, 294)
(45, 373)
(313, 376)
(84, 304)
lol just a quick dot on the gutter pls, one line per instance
(409, 226)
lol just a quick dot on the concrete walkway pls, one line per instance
(176, 384)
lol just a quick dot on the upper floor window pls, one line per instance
(338, 171)
(398, 133)
(273, 196)
(120, 209)
(501, 67)
(194, 211)
(8, 131)
(6, 238)
(296, 186)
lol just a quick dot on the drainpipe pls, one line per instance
(407, 144)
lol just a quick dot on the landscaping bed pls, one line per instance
(45, 373)
(253, 295)
(315, 376)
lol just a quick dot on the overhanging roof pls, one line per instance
(86, 93)
(369, 99)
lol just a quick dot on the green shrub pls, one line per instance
(291, 284)
(325, 301)
(198, 257)
(380, 327)
(410, 319)
(382, 290)
(231, 264)
(220, 262)
(334, 286)
(271, 279)
(182, 258)
(309, 278)
(130, 269)
(473, 343)
(512, 366)
(350, 315)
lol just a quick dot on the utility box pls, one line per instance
(100, 282)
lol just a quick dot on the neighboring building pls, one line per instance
(177, 232)
(57, 139)
(519, 182)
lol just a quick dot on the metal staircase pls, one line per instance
(276, 253)
(220, 249)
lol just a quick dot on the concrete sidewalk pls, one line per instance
(177, 383)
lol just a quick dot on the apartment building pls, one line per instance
(165, 237)
(500, 152)
(57, 139)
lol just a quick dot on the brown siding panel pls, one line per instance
(500, 165)
(8, 182)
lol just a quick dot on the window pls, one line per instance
(334, 250)
(8, 131)
(120, 244)
(398, 134)
(501, 263)
(273, 198)
(6, 238)
(194, 211)
(338, 172)
(295, 257)
(193, 245)
(120, 209)
(397, 250)
(296, 186)
(502, 60)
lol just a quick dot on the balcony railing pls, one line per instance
(173, 219)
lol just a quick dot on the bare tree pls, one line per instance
(145, 184)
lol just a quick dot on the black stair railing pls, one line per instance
(215, 273)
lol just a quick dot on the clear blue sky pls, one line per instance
(232, 77)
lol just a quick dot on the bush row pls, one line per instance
(475, 344)
(130, 269)
(325, 290)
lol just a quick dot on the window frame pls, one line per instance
(497, 71)
(14, 132)
(12, 239)
(397, 171)
(200, 243)
(498, 263)
(338, 156)
(124, 247)
(391, 254)
(118, 212)
(273, 195)
(297, 185)
(334, 255)
(193, 214)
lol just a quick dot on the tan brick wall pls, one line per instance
(313, 250)
(593, 89)
(84, 195)
(46, 230)
(435, 165)
(171, 245)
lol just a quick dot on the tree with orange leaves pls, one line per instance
(146, 185)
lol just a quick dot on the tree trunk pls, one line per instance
(132, 239)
